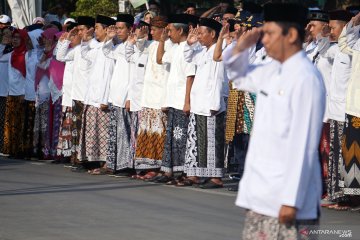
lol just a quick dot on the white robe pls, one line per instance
(179, 71)
(282, 164)
(207, 90)
(138, 57)
(98, 86)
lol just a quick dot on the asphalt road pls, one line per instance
(42, 201)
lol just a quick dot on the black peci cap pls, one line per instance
(285, 12)
(341, 15)
(108, 21)
(318, 15)
(184, 19)
(85, 20)
(126, 18)
(210, 23)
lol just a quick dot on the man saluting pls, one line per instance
(281, 186)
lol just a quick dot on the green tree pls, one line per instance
(94, 7)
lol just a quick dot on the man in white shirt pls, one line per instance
(335, 68)
(152, 122)
(349, 43)
(206, 138)
(122, 121)
(318, 19)
(65, 145)
(177, 102)
(95, 123)
(281, 185)
(80, 80)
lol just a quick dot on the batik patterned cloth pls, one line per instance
(151, 139)
(350, 171)
(175, 143)
(64, 146)
(2, 120)
(41, 130)
(263, 227)
(205, 153)
(94, 134)
(77, 114)
(324, 151)
(29, 128)
(14, 126)
(122, 139)
(335, 183)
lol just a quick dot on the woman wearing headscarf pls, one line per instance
(48, 83)
(32, 58)
(5, 51)
(14, 116)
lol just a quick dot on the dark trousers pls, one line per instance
(241, 143)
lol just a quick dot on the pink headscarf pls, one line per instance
(56, 69)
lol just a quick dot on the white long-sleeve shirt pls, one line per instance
(351, 46)
(137, 55)
(287, 125)
(179, 71)
(16, 81)
(98, 86)
(156, 76)
(68, 74)
(120, 80)
(32, 58)
(207, 89)
(81, 71)
(4, 72)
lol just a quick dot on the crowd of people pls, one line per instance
(172, 100)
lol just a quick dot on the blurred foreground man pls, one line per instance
(281, 185)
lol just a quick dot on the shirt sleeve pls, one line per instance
(192, 53)
(348, 38)
(64, 53)
(111, 51)
(3, 57)
(129, 52)
(216, 94)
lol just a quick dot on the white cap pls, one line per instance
(5, 19)
(68, 20)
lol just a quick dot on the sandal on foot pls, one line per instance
(99, 171)
(172, 182)
(341, 208)
(185, 183)
(163, 179)
(211, 185)
(148, 176)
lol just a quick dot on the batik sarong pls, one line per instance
(41, 131)
(14, 126)
(258, 226)
(205, 146)
(175, 144)
(324, 151)
(2, 120)
(94, 134)
(335, 183)
(77, 115)
(151, 139)
(122, 139)
(55, 116)
(350, 171)
(29, 128)
(65, 138)
(245, 112)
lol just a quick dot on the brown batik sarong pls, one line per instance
(14, 126)
(151, 139)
